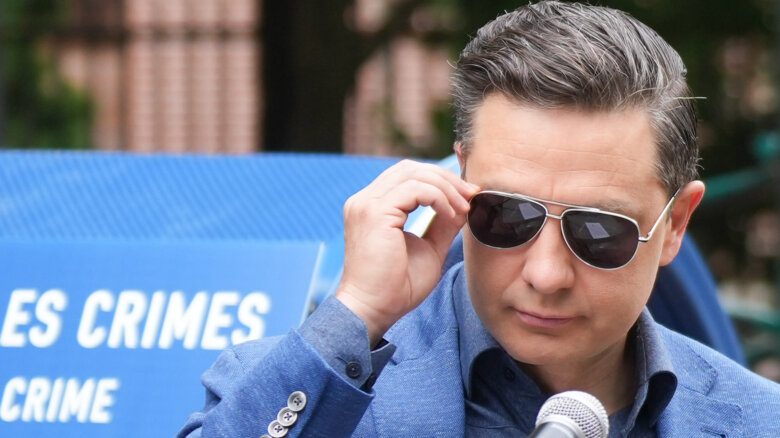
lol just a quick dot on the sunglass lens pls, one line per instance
(602, 240)
(503, 222)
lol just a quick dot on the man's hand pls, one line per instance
(388, 272)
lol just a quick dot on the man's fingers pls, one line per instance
(373, 219)
(411, 194)
(456, 199)
(425, 172)
(408, 185)
(441, 232)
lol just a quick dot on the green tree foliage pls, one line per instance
(40, 109)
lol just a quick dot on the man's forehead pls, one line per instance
(605, 160)
(502, 122)
(604, 201)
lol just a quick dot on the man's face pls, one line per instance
(541, 303)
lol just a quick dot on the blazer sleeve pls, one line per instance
(301, 384)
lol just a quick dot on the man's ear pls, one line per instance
(458, 148)
(689, 198)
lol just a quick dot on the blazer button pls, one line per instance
(296, 401)
(286, 417)
(276, 430)
(354, 370)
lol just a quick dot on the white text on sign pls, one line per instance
(40, 399)
(134, 319)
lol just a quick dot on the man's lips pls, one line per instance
(537, 320)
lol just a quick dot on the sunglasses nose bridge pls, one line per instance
(549, 215)
(554, 216)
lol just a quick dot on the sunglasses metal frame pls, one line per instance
(575, 208)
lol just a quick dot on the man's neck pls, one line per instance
(610, 377)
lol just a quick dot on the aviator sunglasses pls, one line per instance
(601, 239)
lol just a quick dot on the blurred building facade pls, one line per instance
(166, 75)
(186, 76)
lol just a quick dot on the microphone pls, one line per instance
(571, 414)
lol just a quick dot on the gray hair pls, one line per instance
(553, 54)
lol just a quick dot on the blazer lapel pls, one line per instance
(691, 414)
(423, 398)
(420, 391)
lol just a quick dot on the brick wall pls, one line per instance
(169, 75)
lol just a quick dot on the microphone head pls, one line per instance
(578, 409)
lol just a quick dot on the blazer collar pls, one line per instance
(473, 338)
(692, 411)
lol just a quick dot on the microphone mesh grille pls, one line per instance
(584, 409)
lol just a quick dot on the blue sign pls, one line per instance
(109, 338)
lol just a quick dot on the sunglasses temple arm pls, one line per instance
(669, 204)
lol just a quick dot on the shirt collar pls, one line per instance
(473, 338)
(655, 378)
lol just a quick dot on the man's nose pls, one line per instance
(549, 262)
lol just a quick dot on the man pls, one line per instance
(576, 138)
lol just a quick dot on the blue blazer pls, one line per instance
(420, 391)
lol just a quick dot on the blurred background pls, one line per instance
(371, 77)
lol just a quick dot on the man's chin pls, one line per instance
(543, 352)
